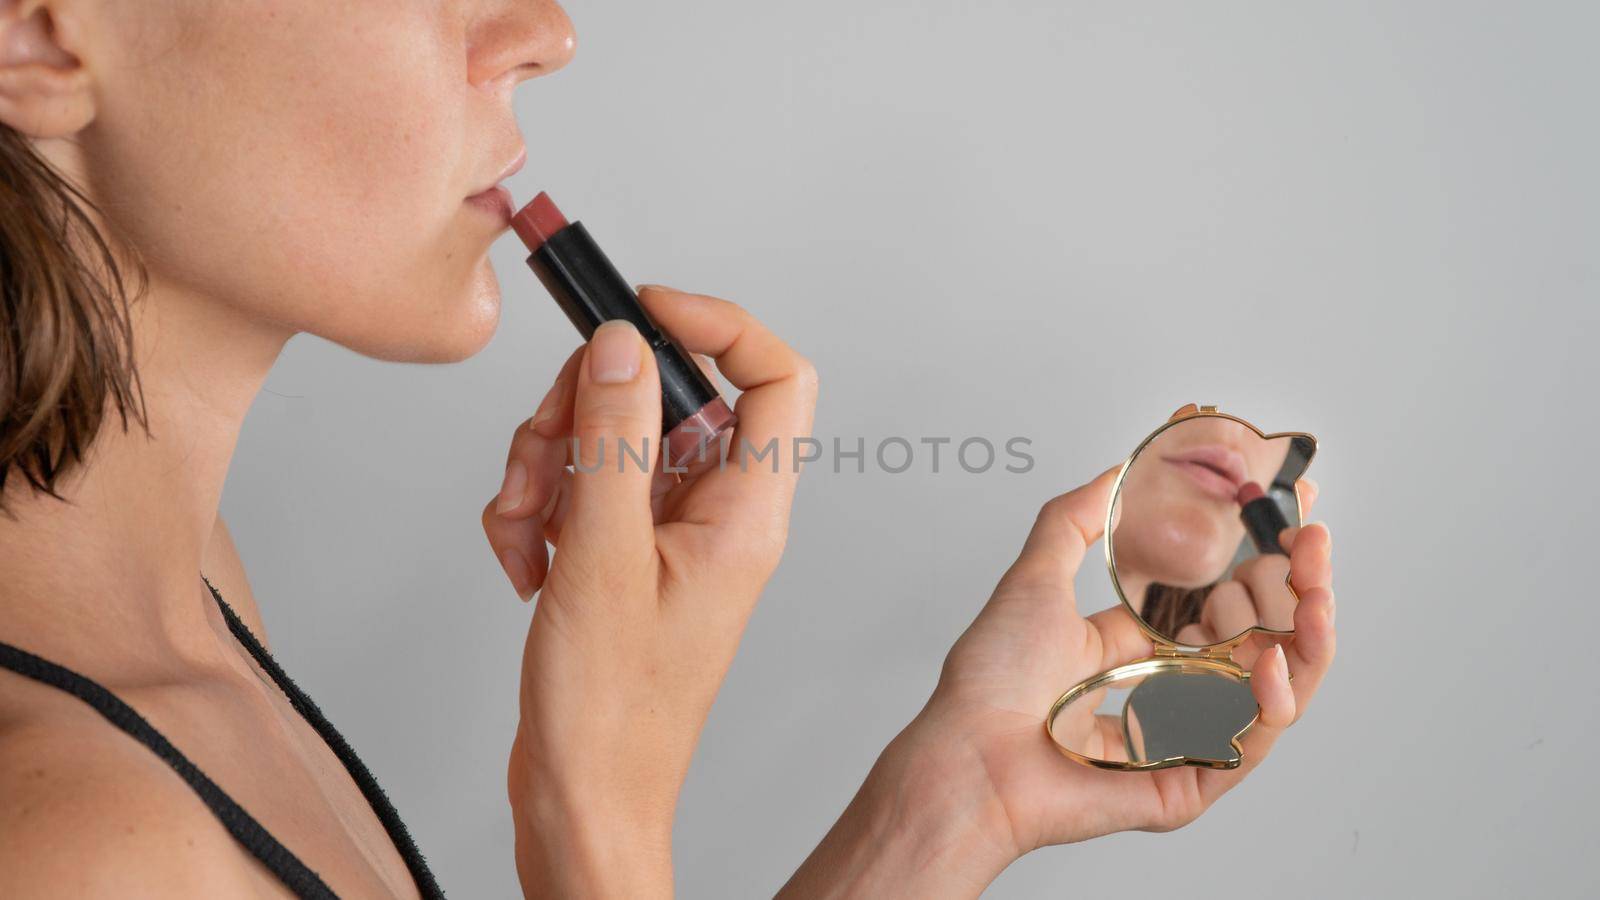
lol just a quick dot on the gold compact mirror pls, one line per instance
(1192, 545)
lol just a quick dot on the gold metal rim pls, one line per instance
(1161, 642)
(1151, 666)
(1169, 655)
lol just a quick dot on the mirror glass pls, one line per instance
(1159, 716)
(1193, 543)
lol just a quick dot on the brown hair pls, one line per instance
(1168, 609)
(66, 342)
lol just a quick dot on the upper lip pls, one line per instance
(506, 171)
(1225, 461)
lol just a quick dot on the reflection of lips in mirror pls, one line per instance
(1217, 470)
(1179, 552)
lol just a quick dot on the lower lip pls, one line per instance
(496, 201)
(1210, 483)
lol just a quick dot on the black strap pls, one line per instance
(296, 875)
(245, 829)
(352, 763)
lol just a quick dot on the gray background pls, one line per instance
(1372, 221)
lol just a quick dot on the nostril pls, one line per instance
(518, 43)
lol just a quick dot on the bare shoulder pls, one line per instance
(87, 812)
(225, 571)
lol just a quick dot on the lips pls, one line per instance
(512, 167)
(495, 198)
(1218, 471)
(496, 201)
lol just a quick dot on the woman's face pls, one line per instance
(1177, 522)
(324, 166)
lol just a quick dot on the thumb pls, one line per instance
(1062, 533)
(616, 429)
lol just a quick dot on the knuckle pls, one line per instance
(739, 550)
(521, 439)
(1056, 509)
(729, 308)
(583, 575)
(608, 422)
(805, 375)
(613, 448)
(1033, 575)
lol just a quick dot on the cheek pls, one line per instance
(1182, 545)
(295, 181)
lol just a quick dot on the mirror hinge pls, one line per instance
(1167, 651)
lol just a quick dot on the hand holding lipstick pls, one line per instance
(1253, 594)
(642, 605)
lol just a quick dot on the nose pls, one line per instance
(514, 40)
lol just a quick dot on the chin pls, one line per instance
(474, 323)
(441, 333)
(470, 329)
(1184, 554)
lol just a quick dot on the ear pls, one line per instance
(44, 87)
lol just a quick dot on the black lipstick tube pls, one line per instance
(1262, 518)
(590, 290)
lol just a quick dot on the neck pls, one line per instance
(116, 567)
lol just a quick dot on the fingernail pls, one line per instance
(650, 287)
(512, 488)
(518, 570)
(614, 353)
(547, 407)
(1281, 662)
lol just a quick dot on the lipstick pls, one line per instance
(590, 291)
(1262, 517)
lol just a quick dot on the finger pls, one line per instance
(1121, 639)
(559, 505)
(555, 510)
(1311, 651)
(616, 424)
(1306, 492)
(775, 407)
(553, 418)
(1108, 741)
(1266, 577)
(1269, 683)
(1077, 723)
(520, 549)
(1062, 533)
(1228, 611)
(1286, 538)
(1310, 559)
(540, 450)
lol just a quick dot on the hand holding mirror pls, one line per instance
(1193, 546)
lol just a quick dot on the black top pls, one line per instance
(296, 875)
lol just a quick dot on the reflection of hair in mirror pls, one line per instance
(1168, 609)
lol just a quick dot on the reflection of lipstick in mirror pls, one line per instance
(1216, 469)
(1261, 517)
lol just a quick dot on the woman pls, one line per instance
(283, 166)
